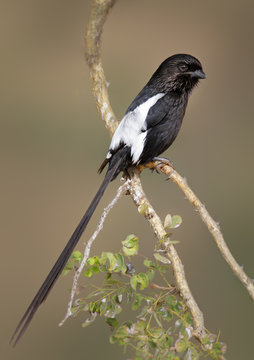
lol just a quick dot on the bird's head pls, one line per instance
(180, 73)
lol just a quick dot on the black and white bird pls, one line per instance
(149, 126)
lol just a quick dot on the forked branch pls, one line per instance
(98, 15)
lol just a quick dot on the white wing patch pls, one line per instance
(132, 129)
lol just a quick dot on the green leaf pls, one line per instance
(88, 272)
(167, 223)
(77, 256)
(170, 300)
(188, 318)
(103, 268)
(206, 340)
(118, 309)
(161, 258)
(150, 274)
(103, 307)
(173, 242)
(133, 282)
(92, 307)
(90, 261)
(95, 269)
(181, 345)
(143, 208)
(168, 342)
(113, 339)
(112, 261)
(140, 326)
(137, 301)
(165, 237)
(130, 245)
(103, 258)
(120, 259)
(156, 332)
(152, 344)
(130, 241)
(142, 280)
(93, 261)
(216, 350)
(122, 332)
(110, 257)
(112, 322)
(120, 262)
(147, 262)
(176, 221)
(117, 298)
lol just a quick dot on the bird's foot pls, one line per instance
(125, 175)
(162, 161)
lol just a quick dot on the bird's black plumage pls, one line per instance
(150, 125)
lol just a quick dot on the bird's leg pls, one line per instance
(162, 160)
(126, 175)
(154, 164)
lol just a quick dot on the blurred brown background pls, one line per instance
(53, 140)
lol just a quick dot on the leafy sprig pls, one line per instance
(161, 327)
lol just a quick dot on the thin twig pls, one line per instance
(212, 226)
(120, 192)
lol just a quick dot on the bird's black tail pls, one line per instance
(115, 166)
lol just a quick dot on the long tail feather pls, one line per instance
(64, 256)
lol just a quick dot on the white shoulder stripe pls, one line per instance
(131, 130)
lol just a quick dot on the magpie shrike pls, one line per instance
(149, 126)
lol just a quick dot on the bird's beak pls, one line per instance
(199, 74)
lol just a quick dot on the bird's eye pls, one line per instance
(183, 67)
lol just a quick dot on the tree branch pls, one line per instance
(99, 12)
(138, 195)
(97, 19)
(212, 226)
(98, 16)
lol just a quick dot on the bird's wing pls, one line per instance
(157, 113)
